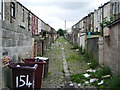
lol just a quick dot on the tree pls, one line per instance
(61, 32)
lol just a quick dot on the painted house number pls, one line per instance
(23, 80)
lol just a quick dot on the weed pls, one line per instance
(89, 59)
(73, 57)
(49, 73)
(79, 78)
(68, 59)
(86, 56)
(115, 83)
(75, 47)
(104, 71)
(94, 64)
(101, 72)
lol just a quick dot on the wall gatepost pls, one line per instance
(101, 51)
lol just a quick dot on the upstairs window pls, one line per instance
(12, 9)
(22, 15)
(118, 7)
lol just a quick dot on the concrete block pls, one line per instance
(13, 42)
(16, 36)
(19, 30)
(18, 43)
(9, 43)
(3, 43)
(5, 33)
(8, 26)
(3, 24)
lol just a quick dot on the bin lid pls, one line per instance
(24, 66)
(33, 61)
(42, 58)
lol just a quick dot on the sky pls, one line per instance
(56, 12)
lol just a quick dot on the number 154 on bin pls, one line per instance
(23, 80)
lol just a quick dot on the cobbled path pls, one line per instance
(58, 72)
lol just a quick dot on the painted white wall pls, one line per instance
(82, 40)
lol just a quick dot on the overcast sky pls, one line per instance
(56, 12)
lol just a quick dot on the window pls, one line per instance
(22, 15)
(13, 9)
(118, 7)
(28, 21)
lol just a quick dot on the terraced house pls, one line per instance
(98, 34)
(21, 36)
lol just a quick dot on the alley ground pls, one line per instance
(63, 62)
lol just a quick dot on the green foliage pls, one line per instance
(61, 32)
(101, 72)
(63, 71)
(105, 71)
(114, 83)
(89, 59)
(94, 64)
(112, 18)
(73, 57)
(79, 78)
(76, 46)
(49, 73)
(86, 57)
(105, 22)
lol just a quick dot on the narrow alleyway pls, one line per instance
(61, 65)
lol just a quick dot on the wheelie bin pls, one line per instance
(23, 76)
(38, 72)
(46, 66)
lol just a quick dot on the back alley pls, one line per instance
(61, 66)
